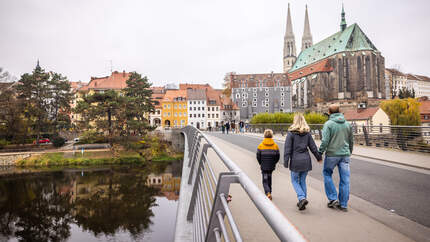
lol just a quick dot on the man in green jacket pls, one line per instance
(337, 143)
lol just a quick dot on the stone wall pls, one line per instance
(9, 160)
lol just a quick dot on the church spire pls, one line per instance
(343, 21)
(307, 36)
(289, 44)
(37, 65)
(289, 29)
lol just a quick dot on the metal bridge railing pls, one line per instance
(406, 138)
(209, 207)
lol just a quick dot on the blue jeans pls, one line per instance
(298, 179)
(344, 173)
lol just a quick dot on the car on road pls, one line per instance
(42, 141)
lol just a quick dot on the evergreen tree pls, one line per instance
(34, 94)
(60, 98)
(104, 109)
(139, 103)
(406, 93)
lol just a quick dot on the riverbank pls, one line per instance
(95, 158)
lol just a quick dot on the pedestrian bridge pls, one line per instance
(215, 167)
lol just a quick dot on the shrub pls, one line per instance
(58, 141)
(311, 118)
(3, 143)
(315, 118)
(91, 137)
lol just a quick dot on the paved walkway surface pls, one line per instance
(413, 159)
(363, 222)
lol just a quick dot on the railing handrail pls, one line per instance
(282, 227)
(388, 126)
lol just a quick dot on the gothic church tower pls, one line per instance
(307, 36)
(289, 44)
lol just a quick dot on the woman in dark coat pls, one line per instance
(297, 158)
(267, 157)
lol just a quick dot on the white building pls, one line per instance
(420, 84)
(213, 109)
(197, 108)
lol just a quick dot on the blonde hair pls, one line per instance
(268, 133)
(299, 124)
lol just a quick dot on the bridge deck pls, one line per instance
(363, 222)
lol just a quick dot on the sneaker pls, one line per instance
(302, 204)
(269, 195)
(341, 208)
(333, 204)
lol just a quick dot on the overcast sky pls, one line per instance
(195, 41)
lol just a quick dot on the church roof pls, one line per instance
(351, 39)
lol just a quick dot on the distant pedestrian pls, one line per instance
(297, 158)
(241, 126)
(227, 126)
(337, 143)
(267, 157)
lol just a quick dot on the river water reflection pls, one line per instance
(104, 204)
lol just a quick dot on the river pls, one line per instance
(118, 203)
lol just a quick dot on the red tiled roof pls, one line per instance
(185, 86)
(172, 94)
(360, 114)
(214, 95)
(425, 107)
(320, 66)
(117, 80)
(227, 101)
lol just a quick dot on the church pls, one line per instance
(345, 68)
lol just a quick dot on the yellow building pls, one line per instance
(174, 109)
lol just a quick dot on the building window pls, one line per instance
(180, 114)
(282, 89)
(203, 115)
(282, 104)
(223, 113)
(203, 108)
(168, 105)
(195, 116)
(267, 110)
(266, 89)
(198, 115)
(180, 106)
(191, 115)
(165, 105)
(216, 115)
(217, 108)
(244, 104)
(176, 114)
(191, 109)
(185, 106)
(282, 94)
(254, 104)
(254, 94)
(176, 106)
(254, 89)
(266, 99)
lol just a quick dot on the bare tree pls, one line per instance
(5, 76)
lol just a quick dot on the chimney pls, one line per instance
(123, 73)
